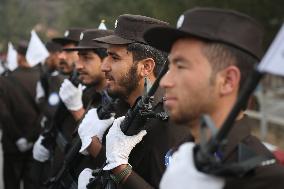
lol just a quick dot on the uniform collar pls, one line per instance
(240, 131)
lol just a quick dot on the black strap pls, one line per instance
(27, 95)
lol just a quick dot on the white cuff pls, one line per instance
(86, 141)
(74, 107)
(114, 164)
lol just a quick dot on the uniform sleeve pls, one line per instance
(8, 123)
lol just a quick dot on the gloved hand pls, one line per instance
(84, 178)
(91, 126)
(71, 95)
(40, 153)
(119, 146)
(182, 173)
(23, 145)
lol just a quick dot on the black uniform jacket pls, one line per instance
(67, 128)
(18, 115)
(148, 157)
(271, 176)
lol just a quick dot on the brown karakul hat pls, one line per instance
(71, 35)
(129, 29)
(86, 40)
(225, 26)
(53, 47)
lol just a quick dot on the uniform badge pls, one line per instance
(53, 99)
(66, 33)
(180, 21)
(81, 36)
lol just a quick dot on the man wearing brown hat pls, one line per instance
(20, 120)
(66, 66)
(47, 97)
(131, 64)
(91, 56)
(50, 81)
(68, 58)
(67, 124)
(212, 52)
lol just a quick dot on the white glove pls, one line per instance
(182, 173)
(71, 95)
(39, 91)
(91, 126)
(40, 153)
(119, 146)
(23, 145)
(84, 178)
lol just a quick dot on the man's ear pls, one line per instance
(146, 67)
(230, 80)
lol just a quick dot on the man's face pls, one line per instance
(53, 61)
(189, 87)
(120, 72)
(67, 59)
(89, 67)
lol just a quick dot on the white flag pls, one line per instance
(273, 60)
(12, 63)
(36, 51)
(102, 25)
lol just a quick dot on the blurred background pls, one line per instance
(52, 17)
(49, 18)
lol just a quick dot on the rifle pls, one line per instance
(52, 135)
(205, 160)
(105, 111)
(133, 123)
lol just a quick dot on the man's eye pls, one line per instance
(180, 66)
(115, 58)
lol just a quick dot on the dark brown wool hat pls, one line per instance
(86, 39)
(225, 26)
(52, 46)
(129, 29)
(71, 35)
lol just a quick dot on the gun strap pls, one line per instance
(66, 180)
(61, 141)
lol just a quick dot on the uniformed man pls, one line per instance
(132, 63)
(66, 66)
(20, 117)
(91, 55)
(47, 97)
(50, 81)
(68, 58)
(212, 52)
(67, 123)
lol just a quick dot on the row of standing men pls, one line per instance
(211, 53)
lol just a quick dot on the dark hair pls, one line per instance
(142, 51)
(222, 55)
(101, 52)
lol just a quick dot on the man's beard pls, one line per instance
(129, 82)
(63, 65)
